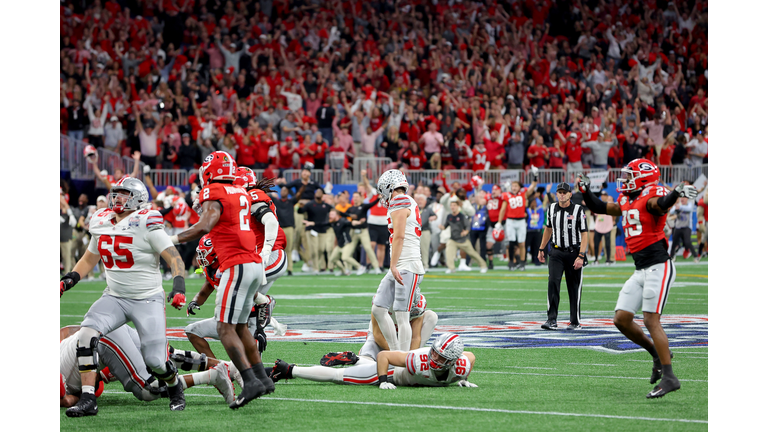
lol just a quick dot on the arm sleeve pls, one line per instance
(270, 230)
(366, 207)
(159, 240)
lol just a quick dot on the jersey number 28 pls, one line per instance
(123, 258)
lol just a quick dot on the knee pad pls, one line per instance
(167, 374)
(87, 355)
(188, 361)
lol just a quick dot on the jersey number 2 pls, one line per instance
(632, 226)
(245, 220)
(116, 242)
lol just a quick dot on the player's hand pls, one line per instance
(191, 308)
(497, 226)
(396, 275)
(535, 172)
(583, 182)
(465, 383)
(578, 263)
(68, 281)
(177, 296)
(541, 256)
(387, 386)
(687, 191)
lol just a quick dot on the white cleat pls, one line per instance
(377, 271)
(435, 259)
(448, 271)
(220, 380)
(280, 329)
(234, 374)
(337, 273)
(484, 270)
(295, 256)
(305, 268)
(361, 270)
(464, 267)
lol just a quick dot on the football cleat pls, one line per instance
(235, 374)
(220, 380)
(574, 326)
(86, 406)
(667, 385)
(656, 371)
(176, 394)
(281, 370)
(265, 311)
(549, 325)
(249, 393)
(339, 358)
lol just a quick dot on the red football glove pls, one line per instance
(61, 289)
(179, 300)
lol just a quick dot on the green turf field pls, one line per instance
(529, 379)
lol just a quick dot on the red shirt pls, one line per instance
(538, 156)
(232, 235)
(179, 214)
(262, 149)
(286, 156)
(665, 158)
(493, 206)
(245, 153)
(555, 157)
(414, 161)
(641, 228)
(516, 204)
(257, 196)
(573, 151)
(305, 157)
(479, 159)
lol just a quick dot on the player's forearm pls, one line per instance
(174, 261)
(202, 296)
(397, 250)
(545, 237)
(382, 363)
(86, 263)
(584, 242)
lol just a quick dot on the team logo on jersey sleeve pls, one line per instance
(623, 200)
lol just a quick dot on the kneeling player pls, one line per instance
(120, 359)
(441, 364)
(423, 322)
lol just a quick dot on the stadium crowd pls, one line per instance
(430, 84)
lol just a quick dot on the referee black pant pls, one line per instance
(561, 261)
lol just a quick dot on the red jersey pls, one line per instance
(180, 213)
(479, 159)
(232, 235)
(706, 210)
(573, 151)
(414, 161)
(257, 196)
(493, 206)
(516, 204)
(641, 228)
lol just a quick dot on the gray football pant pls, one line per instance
(119, 350)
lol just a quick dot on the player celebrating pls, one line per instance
(226, 211)
(128, 241)
(400, 285)
(441, 364)
(120, 360)
(516, 201)
(496, 206)
(643, 205)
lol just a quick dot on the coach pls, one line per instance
(567, 227)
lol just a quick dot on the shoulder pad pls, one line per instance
(152, 219)
(100, 218)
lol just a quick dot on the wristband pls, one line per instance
(382, 379)
(178, 285)
(541, 250)
(582, 255)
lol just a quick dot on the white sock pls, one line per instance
(88, 389)
(200, 378)
(403, 331)
(386, 326)
(319, 374)
(428, 326)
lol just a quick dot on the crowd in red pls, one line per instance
(431, 84)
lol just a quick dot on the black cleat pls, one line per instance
(269, 385)
(86, 406)
(339, 358)
(572, 326)
(549, 325)
(656, 371)
(667, 385)
(281, 370)
(251, 391)
(176, 394)
(490, 263)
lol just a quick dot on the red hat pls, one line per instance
(632, 62)
(650, 111)
(289, 139)
(651, 57)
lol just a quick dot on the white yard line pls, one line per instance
(574, 376)
(591, 364)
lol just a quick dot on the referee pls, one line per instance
(569, 243)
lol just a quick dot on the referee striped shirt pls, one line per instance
(567, 224)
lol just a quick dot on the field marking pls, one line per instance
(591, 364)
(529, 367)
(574, 376)
(454, 408)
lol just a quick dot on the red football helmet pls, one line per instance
(498, 235)
(206, 256)
(245, 177)
(89, 151)
(638, 174)
(218, 165)
(477, 182)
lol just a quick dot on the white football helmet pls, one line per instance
(388, 182)
(417, 310)
(446, 349)
(138, 195)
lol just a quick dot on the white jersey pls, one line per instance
(410, 257)
(417, 372)
(130, 251)
(68, 366)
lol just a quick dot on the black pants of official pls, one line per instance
(560, 262)
(682, 235)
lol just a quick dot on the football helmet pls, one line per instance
(137, 195)
(477, 182)
(498, 235)
(446, 349)
(246, 178)
(205, 254)
(419, 308)
(89, 151)
(388, 182)
(638, 174)
(218, 165)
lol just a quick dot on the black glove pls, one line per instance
(191, 306)
(261, 338)
(68, 281)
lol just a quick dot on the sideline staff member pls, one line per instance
(568, 254)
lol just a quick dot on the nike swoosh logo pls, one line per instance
(655, 392)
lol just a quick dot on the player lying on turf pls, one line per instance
(198, 331)
(120, 360)
(423, 322)
(437, 366)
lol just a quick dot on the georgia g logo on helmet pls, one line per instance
(645, 166)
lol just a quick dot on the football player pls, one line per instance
(515, 203)
(495, 205)
(226, 215)
(120, 360)
(128, 241)
(443, 363)
(643, 205)
(422, 322)
(400, 286)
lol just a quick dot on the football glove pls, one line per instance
(465, 383)
(686, 191)
(261, 338)
(387, 386)
(177, 293)
(535, 172)
(191, 308)
(583, 182)
(68, 281)
(497, 226)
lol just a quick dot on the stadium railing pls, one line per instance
(334, 176)
(169, 177)
(374, 166)
(73, 159)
